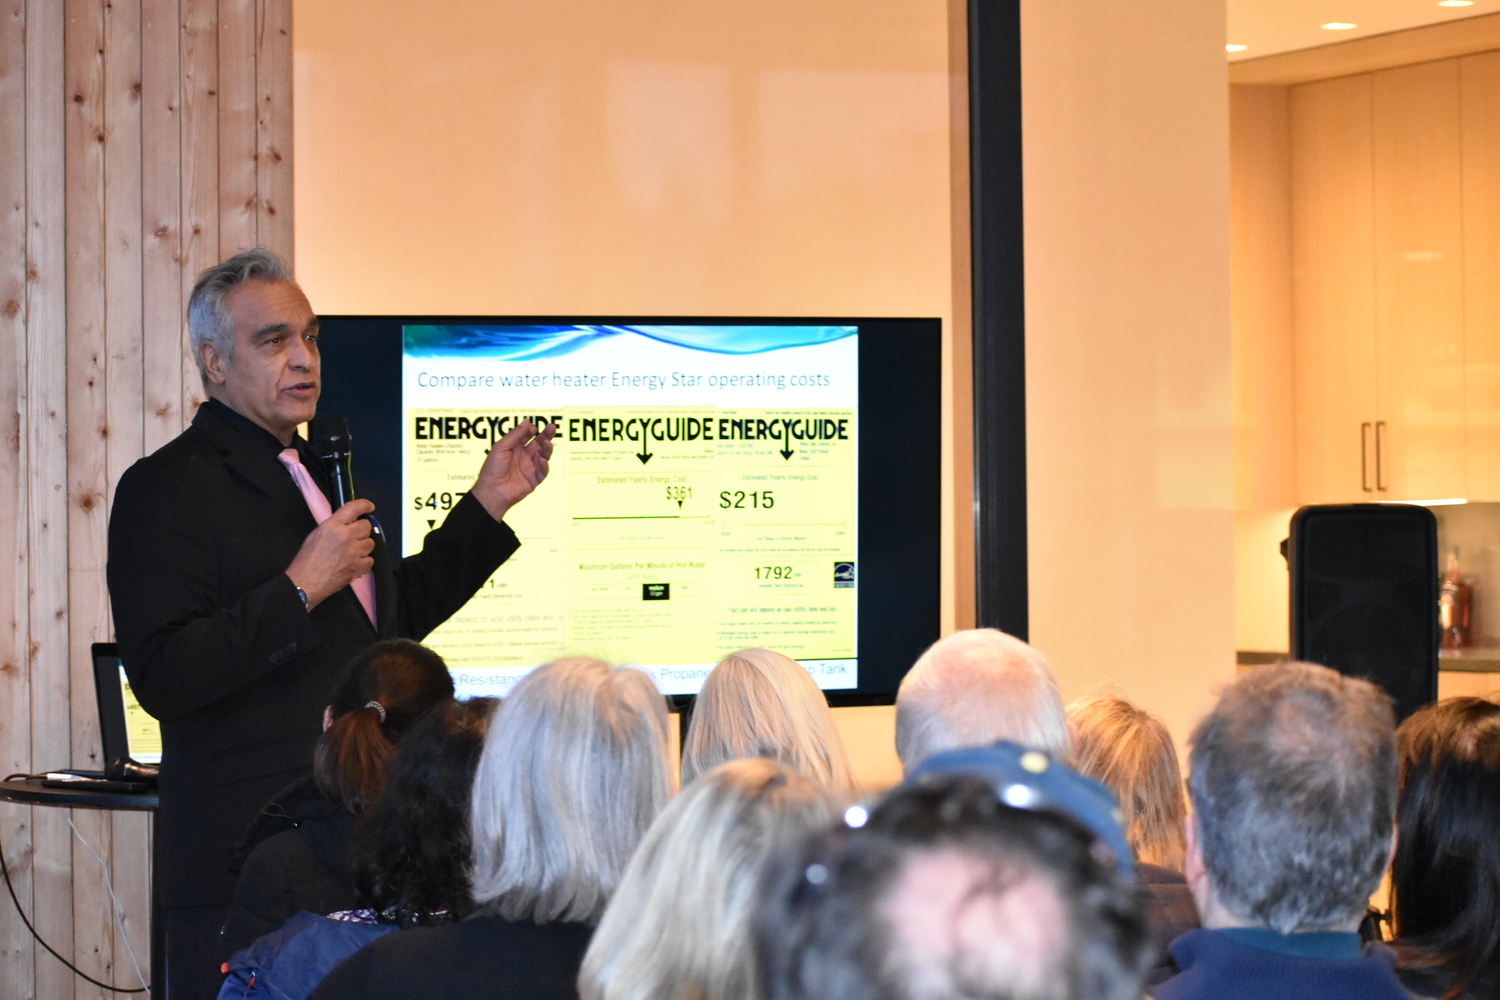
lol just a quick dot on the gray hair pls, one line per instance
(760, 703)
(208, 321)
(1292, 778)
(573, 772)
(974, 688)
(680, 924)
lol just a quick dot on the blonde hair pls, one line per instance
(974, 688)
(760, 703)
(573, 772)
(679, 927)
(1130, 750)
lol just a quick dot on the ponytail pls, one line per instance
(387, 687)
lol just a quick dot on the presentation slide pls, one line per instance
(702, 496)
(142, 732)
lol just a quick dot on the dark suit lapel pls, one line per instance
(251, 464)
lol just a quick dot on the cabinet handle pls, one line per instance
(1364, 456)
(1380, 455)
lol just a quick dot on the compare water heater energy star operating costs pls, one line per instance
(702, 495)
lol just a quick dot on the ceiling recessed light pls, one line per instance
(1235, 48)
(1339, 26)
(1455, 3)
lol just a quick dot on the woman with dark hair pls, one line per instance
(410, 860)
(573, 772)
(1445, 878)
(296, 855)
(411, 855)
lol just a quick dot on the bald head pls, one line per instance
(974, 688)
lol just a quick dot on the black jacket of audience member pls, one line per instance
(485, 957)
(294, 857)
(1170, 911)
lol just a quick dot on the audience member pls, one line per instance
(944, 892)
(1445, 881)
(410, 861)
(573, 772)
(1131, 753)
(759, 703)
(1292, 779)
(295, 856)
(974, 688)
(679, 926)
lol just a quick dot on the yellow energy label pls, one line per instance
(663, 536)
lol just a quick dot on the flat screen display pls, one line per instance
(715, 484)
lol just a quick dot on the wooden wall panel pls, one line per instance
(161, 223)
(273, 67)
(237, 138)
(115, 142)
(47, 475)
(200, 161)
(88, 604)
(124, 439)
(16, 961)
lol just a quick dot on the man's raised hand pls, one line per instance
(515, 466)
(336, 553)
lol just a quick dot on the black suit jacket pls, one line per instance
(216, 644)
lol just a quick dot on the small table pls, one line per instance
(31, 792)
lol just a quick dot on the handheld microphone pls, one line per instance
(330, 439)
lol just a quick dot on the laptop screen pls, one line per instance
(124, 727)
(142, 732)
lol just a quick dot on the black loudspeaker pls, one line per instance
(1364, 583)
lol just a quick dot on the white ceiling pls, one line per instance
(1270, 26)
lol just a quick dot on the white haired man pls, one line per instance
(240, 595)
(977, 687)
(1293, 786)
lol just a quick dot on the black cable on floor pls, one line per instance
(5, 870)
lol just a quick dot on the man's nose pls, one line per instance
(301, 356)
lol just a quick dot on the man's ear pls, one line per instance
(213, 362)
(1192, 860)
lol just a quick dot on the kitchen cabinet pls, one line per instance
(1386, 346)
(1479, 91)
(1333, 289)
(1419, 288)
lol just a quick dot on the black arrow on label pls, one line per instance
(679, 505)
(431, 523)
(643, 454)
(786, 442)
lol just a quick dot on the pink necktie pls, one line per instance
(364, 587)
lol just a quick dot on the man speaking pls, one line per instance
(239, 597)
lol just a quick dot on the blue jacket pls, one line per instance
(1216, 966)
(287, 963)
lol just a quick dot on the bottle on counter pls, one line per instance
(1454, 600)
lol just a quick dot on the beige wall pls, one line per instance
(1130, 479)
(792, 157)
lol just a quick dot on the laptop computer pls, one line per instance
(131, 739)
(125, 729)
